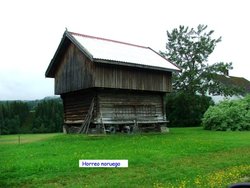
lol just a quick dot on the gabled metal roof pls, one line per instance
(115, 52)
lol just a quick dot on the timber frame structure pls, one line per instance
(110, 86)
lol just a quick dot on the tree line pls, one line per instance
(40, 116)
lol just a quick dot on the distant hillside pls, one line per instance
(32, 103)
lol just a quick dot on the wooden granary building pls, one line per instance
(108, 85)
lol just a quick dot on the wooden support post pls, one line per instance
(104, 130)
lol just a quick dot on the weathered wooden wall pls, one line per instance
(125, 107)
(114, 107)
(74, 72)
(132, 78)
(76, 106)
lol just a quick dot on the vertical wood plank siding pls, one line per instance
(74, 71)
(132, 78)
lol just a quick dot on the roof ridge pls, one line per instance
(105, 39)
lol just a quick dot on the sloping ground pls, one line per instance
(186, 157)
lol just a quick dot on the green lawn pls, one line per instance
(185, 157)
(25, 138)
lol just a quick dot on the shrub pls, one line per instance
(184, 110)
(228, 115)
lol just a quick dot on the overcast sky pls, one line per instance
(31, 32)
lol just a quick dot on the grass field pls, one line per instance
(186, 157)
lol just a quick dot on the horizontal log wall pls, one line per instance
(76, 106)
(114, 107)
(127, 107)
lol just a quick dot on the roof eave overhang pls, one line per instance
(128, 64)
(178, 69)
(50, 70)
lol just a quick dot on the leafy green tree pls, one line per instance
(184, 110)
(190, 48)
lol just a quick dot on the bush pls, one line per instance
(228, 115)
(184, 110)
